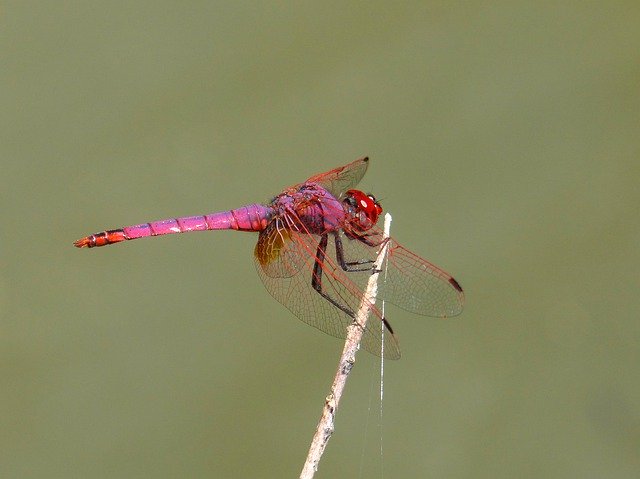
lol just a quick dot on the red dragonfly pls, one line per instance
(316, 247)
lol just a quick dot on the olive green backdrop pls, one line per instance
(504, 139)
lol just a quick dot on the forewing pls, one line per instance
(288, 278)
(414, 284)
(343, 178)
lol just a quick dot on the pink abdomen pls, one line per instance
(247, 218)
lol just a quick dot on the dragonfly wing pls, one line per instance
(414, 284)
(288, 277)
(274, 256)
(339, 180)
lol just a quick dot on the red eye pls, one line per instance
(365, 204)
(376, 205)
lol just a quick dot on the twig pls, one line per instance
(347, 360)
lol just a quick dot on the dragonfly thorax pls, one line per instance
(309, 208)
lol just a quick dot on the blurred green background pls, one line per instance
(505, 141)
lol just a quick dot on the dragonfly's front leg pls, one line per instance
(316, 280)
(358, 265)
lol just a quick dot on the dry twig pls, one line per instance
(347, 360)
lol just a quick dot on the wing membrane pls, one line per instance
(274, 256)
(411, 282)
(414, 284)
(343, 178)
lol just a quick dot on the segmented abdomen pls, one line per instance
(247, 218)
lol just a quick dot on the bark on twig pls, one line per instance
(347, 360)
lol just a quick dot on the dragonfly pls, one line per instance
(317, 244)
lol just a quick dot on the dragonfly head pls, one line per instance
(364, 209)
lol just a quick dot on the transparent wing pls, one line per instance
(290, 272)
(414, 284)
(339, 180)
(409, 281)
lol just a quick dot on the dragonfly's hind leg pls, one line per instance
(316, 280)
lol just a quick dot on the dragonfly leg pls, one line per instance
(370, 239)
(316, 280)
(370, 242)
(351, 266)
